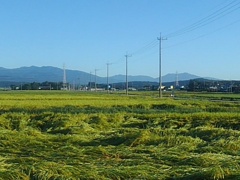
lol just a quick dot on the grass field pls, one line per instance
(79, 135)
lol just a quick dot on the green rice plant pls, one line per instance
(69, 135)
(132, 122)
(229, 145)
(99, 121)
(4, 168)
(48, 121)
(210, 133)
(14, 121)
(211, 166)
(5, 123)
(116, 120)
(166, 106)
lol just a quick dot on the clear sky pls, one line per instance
(203, 37)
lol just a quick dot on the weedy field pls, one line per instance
(76, 135)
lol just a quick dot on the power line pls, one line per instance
(202, 35)
(219, 13)
(223, 11)
(227, 9)
(148, 46)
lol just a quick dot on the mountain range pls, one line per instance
(54, 74)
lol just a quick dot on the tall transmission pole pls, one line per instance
(108, 76)
(177, 82)
(127, 72)
(64, 78)
(160, 64)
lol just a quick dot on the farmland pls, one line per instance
(79, 135)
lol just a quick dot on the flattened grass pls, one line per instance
(66, 135)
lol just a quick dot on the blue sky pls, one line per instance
(202, 36)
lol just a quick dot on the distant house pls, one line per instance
(44, 88)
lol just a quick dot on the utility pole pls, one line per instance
(108, 76)
(79, 83)
(90, 86)
(96, 80)
(127, 72)
(160, 64)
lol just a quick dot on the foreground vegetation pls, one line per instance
(76, 135)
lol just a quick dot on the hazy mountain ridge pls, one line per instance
(54, 74)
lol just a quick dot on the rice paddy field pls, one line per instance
(58, 135)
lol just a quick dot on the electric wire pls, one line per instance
(147, 47)
(227, 9)
(216, 15)
(223, 11)
(202, 35)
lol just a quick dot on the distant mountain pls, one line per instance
(122, 78)
(53, 74)
(41, 74)
(181, 77)
(166, 78)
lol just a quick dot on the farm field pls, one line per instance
(79, 135)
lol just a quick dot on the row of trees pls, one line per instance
(193, 85)
(38, 86)
(214, 86)
(147, 86)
